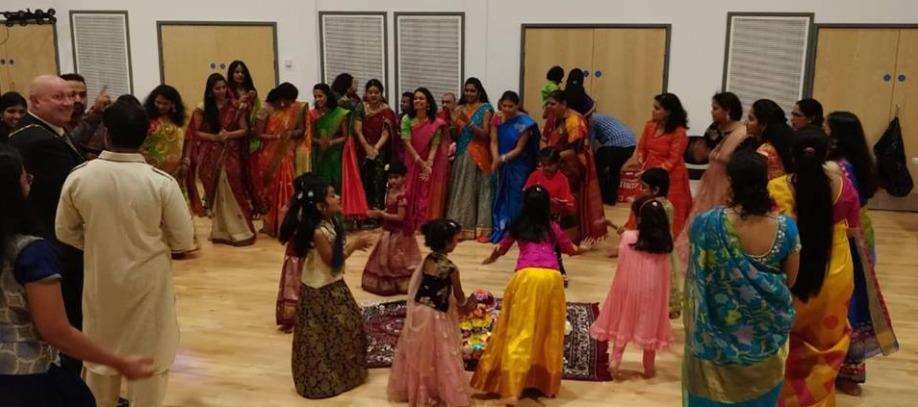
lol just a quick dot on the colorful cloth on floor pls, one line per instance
(820, 336)
(512, 175)
(584, 358)
(738, 316)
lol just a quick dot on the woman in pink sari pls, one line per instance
(280, 127)
(215, 144)
(422, 132)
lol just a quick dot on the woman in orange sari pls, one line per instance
(767, 128)
(825, 205)
(280, 126)
(566, 131)
(471, 192)
(214, 152)
(663, 145)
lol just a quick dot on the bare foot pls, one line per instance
(848, 387)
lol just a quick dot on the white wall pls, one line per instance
(492, 31)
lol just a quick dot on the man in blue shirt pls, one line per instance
(613, 143)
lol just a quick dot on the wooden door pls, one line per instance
(29, 51)
(546, 47)
(851, 67)
(905, 97)
(628, 69)
(190, 53)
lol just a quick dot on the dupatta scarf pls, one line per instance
(479, 149)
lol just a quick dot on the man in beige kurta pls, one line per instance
(128, 217)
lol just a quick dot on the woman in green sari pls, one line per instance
(329, 134)
(738, 305)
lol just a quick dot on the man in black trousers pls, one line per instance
(49, 156)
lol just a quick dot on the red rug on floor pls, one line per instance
(584, 358)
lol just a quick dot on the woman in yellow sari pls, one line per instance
(163, 146)
(280, 126)
(825, 205)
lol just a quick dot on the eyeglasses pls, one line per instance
(29, 178)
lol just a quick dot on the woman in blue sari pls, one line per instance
(738, 305)
(471, 189)
(515, 143)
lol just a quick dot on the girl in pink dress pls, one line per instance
(636, 308)
(427, 368)
(396, 255)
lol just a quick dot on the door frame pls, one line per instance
(668, 28)
(159, 38)
(811, 75)
(127, 40)
(57, 56)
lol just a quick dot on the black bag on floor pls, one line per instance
(892, 169)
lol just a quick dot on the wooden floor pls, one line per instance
(232, 355)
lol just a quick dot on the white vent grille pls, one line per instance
(430, 50)
(356, 44)
(101, 52)
(767, 58)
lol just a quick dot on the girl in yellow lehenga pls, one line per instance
(527, 346)
(826, 207)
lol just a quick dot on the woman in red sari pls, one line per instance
(422, 133)
(280, 126)
(215, 144)
(374, 124)
(566, 131)
(663, 145)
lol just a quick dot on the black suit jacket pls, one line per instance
(49, 158)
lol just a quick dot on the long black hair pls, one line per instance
(431, 105)
(747, 173)
(652, 225)
(813, 206)
(573, 88)
(10, 99)
(533, 224)
(439, 232)
(284, 91)
(482, 94)
(247, 82)
(677, 115)
(851, 145)
(342, 84)
(812, 110)
(555, 74)
(178, 114)
(17, 218)
(211, 111)
(777, 132)
(304, 216)
(331, 99)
